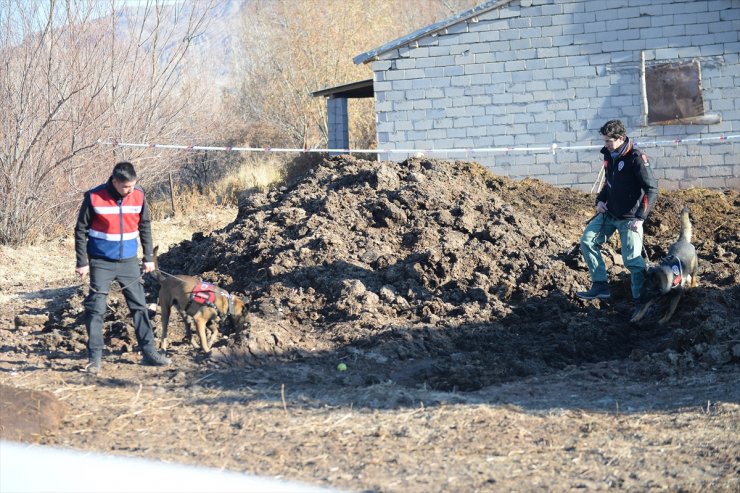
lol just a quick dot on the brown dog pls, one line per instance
(201, 301)
(673, 273)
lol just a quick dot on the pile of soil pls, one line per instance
(470, 274)
(448, 294)
(442, 274)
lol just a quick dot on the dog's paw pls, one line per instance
(195, 341)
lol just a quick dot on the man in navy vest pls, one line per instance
(113, 219)
(622, 205)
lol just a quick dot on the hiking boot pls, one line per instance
(155, 358)
(599, 290)
(94, 363)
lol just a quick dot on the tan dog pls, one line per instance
(203, 302)
(673, 273)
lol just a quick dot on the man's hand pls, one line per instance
(635, 225)
(148, 267)
(82, 271)
(601, 207)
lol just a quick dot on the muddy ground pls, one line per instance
(448, 293)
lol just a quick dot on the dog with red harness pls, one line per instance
(202, 301)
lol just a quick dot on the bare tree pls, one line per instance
(291, 48)
(75, 73)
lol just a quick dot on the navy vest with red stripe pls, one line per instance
(114, 230)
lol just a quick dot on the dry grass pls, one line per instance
(256, 173)
(275, 430)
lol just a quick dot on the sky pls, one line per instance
(38, 10)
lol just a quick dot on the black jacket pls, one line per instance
(630, 189)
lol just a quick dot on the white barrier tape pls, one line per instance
(479, 150)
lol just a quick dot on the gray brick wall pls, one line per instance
(339, 128)
(536, 72)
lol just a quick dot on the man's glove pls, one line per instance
(635, 225)
(601, 208)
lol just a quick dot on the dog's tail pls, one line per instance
(155, 273)
(686, 229)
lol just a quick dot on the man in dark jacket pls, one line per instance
(113, 218)
(623, 204)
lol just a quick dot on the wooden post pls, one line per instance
(643, 91)
(172, 196)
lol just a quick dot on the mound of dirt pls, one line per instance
(441, 273)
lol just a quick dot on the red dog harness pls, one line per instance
(204, 293)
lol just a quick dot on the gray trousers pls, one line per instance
(127, 273)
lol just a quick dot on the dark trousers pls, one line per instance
(127, 273)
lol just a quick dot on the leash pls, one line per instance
(601, 232)
(226, 294)
(120, 287)
(173, 276)
(644, 252)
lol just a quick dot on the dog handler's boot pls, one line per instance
(599, 290)
(94, 362)
(152, 357)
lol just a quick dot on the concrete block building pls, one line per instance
(522, 86)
